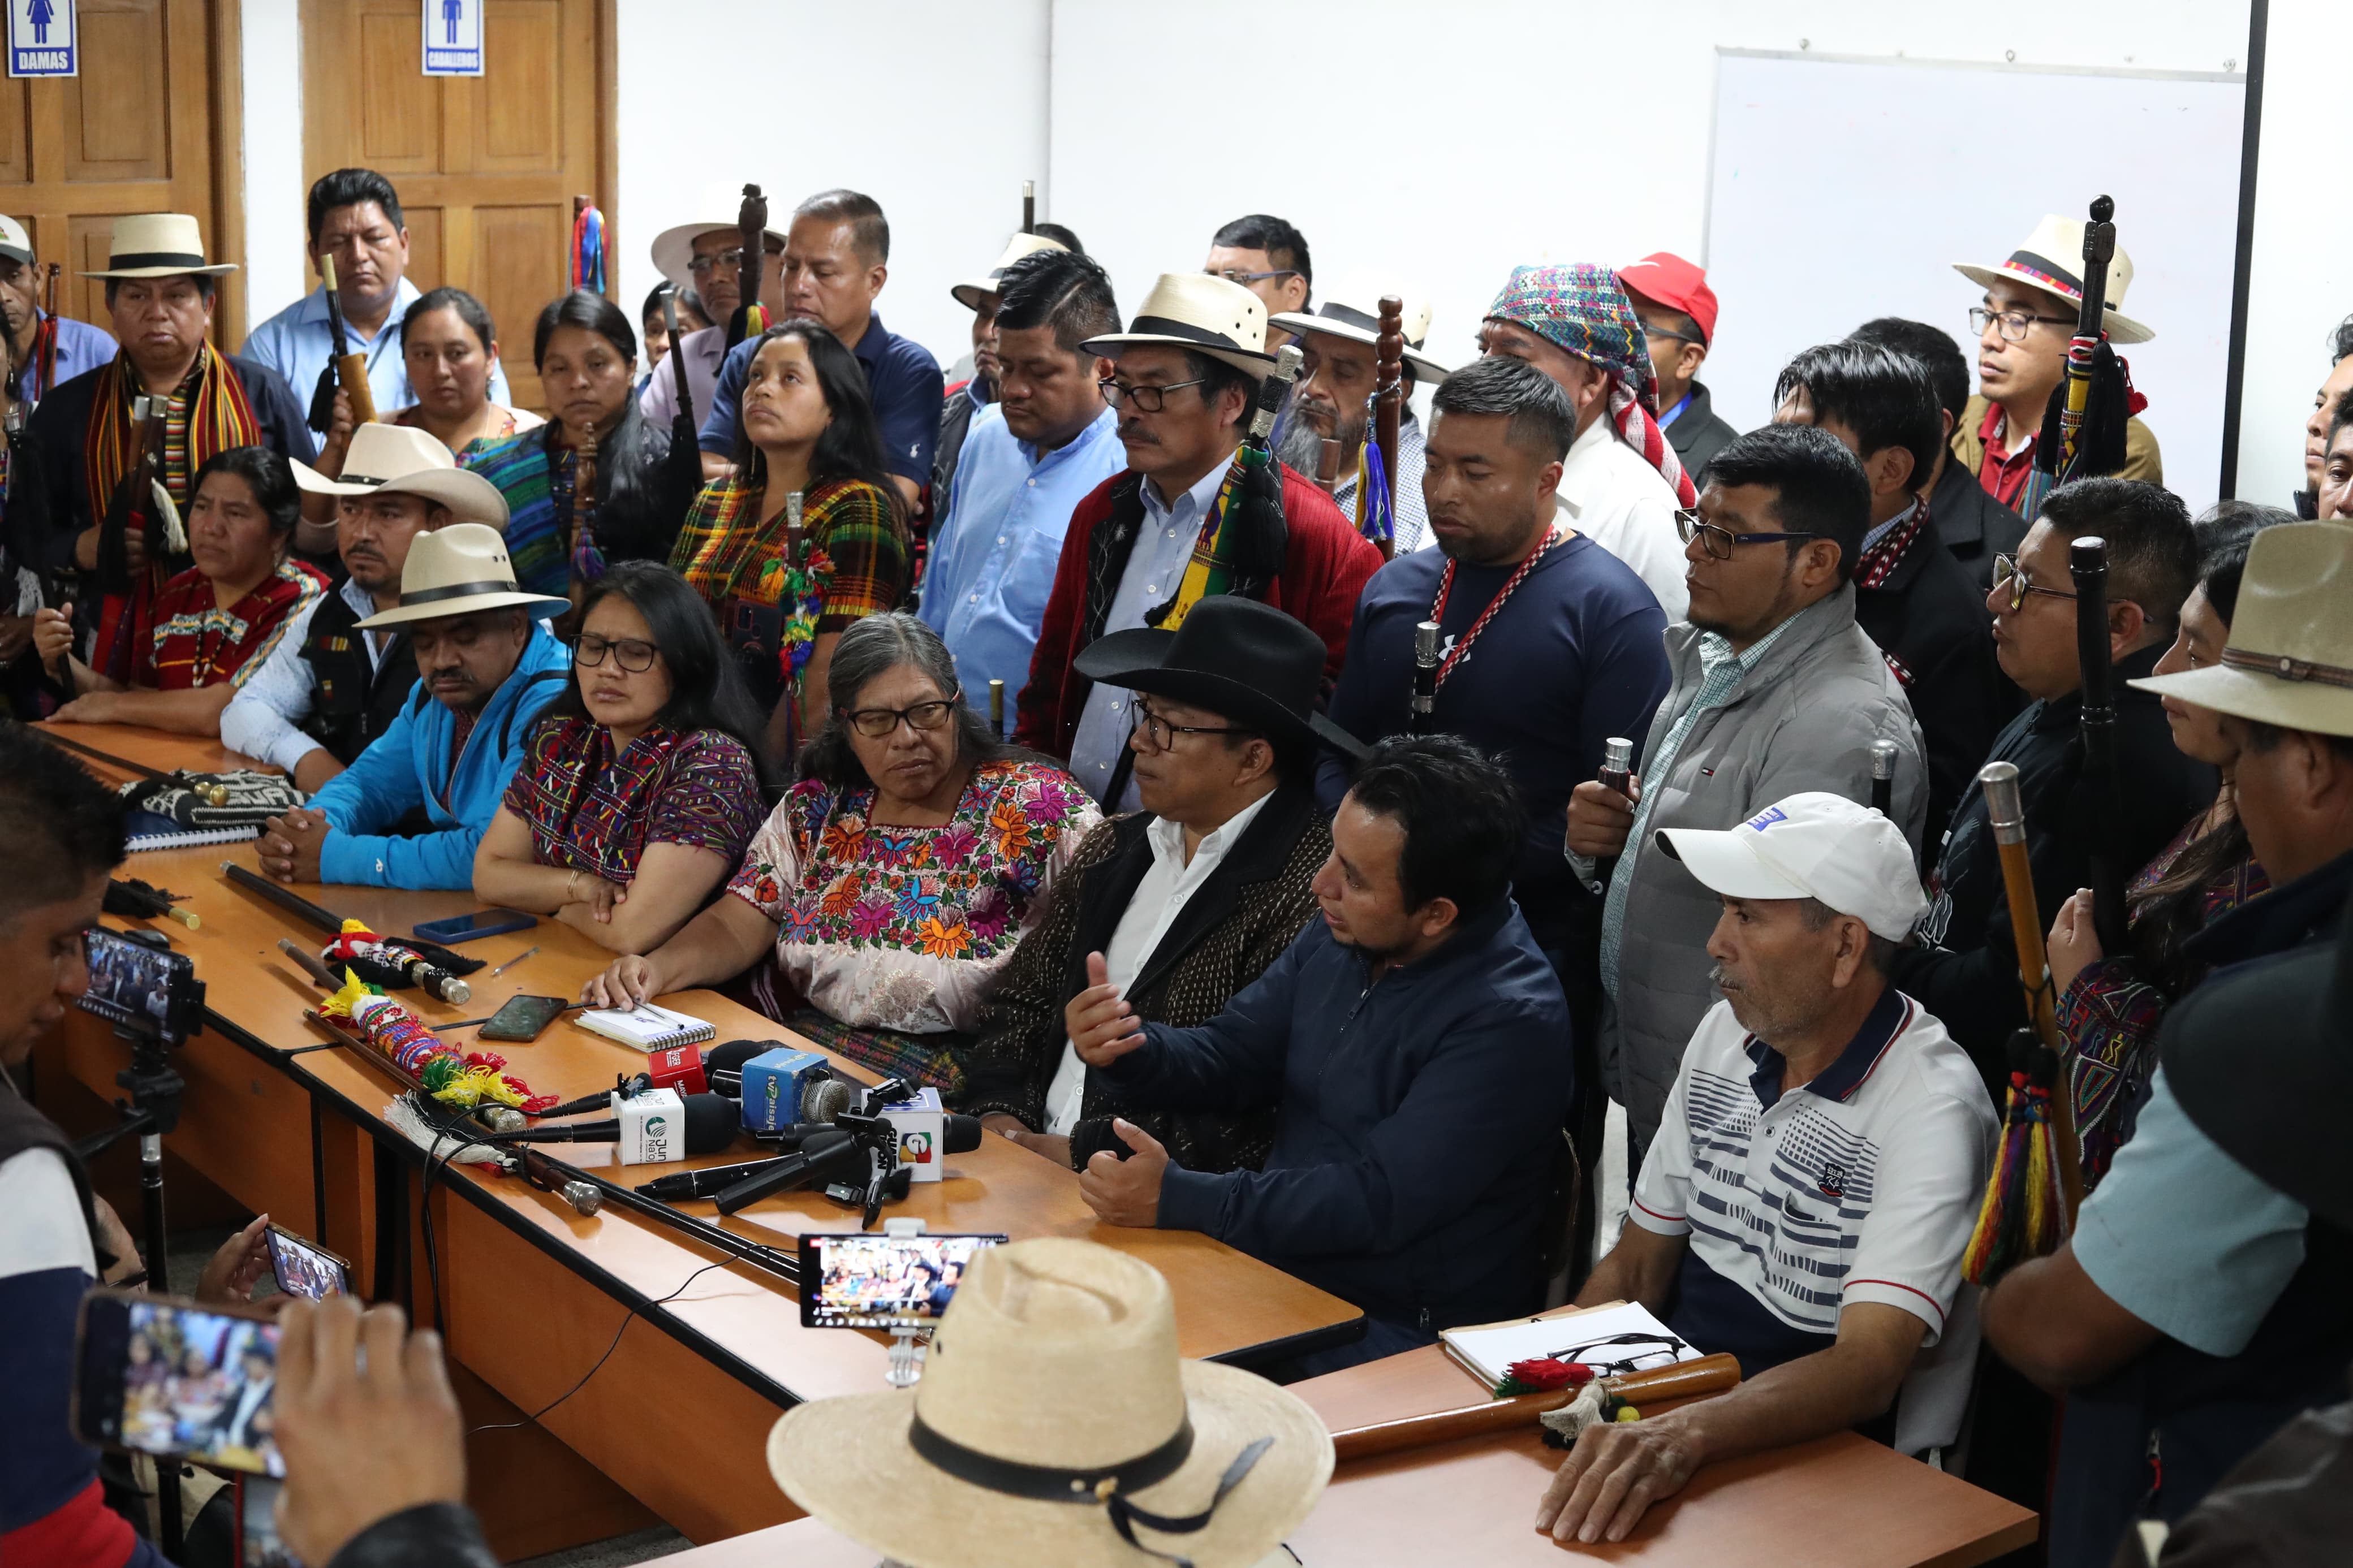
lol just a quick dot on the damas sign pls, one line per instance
(42, 39)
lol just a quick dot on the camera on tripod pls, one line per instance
(152, 997)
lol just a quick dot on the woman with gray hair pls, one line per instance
(896, 876)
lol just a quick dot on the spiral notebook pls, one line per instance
(151, 830)
(647, 1027)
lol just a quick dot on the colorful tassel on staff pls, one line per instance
(2022, 1217)
(588, 249)
(463, 1080)
(1376, 504)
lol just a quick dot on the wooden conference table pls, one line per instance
(673, 1422)
(1840, 1502)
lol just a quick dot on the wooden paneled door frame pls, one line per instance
(486, 168)
(67, 189)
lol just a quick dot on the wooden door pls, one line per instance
(132, 133)
(486, 166)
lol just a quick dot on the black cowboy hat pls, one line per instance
(1239, 659)
(2261, 1057)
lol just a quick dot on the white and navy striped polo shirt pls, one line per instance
(1862, 1185)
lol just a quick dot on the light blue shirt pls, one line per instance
(2184, 1237)
(1000, 540)
(264, 721)
(82, 348)
(1155, 568)
(298, 343)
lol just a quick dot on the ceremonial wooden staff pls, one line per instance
(351, 370)
(1683, 1380)
(423, 972)
(1424, 707)
(2099, 249)
(1327, 465)
(683, 424)
(45, 351)
(1388, 407)
(752, 232)
(1883, 778)
(2087, 563)
(996, 709)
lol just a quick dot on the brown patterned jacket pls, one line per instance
(1233, 926)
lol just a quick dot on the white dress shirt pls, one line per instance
(1160, 898)
(264, 719)
(1624, 505)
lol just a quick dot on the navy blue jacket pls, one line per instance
(1419, 1113)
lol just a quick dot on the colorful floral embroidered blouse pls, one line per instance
(589, 810)
(906, 928)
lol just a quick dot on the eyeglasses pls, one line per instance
(635, 654)
(1665, 1349)
(727, 259)
(2014, 323)
(2007, 571)
(1144, 399)
(876, 722)
(1163, 733)
(1718, 542)
(1236, 275)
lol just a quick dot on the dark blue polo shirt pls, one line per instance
(902, 380)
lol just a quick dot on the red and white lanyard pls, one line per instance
(1461, 647)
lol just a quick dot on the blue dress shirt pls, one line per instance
(296, 343)
(1000, 539)
(80, 347)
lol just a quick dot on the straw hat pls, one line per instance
(1353, 310)
(15, 243)
(2051, 259)
(969, 292)
(1054, 1372)
(673, 248)
(409, 461)
(2289, 661)
(1195, 311)
(158, 245)
(456, 571)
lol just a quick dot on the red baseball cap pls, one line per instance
(1666, 279)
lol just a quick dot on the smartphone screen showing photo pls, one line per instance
(856, 1281)
(303, 1269)
(168, 1377)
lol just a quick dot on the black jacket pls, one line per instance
(1931, 622)
(430, 1535)
(1699, 432)
(1237, 922)
(354, 700)
(1974, 526)
(1965, 969)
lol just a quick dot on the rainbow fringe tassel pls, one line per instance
(2022, 1217)
(464, 1080)
(588, 250)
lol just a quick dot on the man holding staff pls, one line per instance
(1808, 1198)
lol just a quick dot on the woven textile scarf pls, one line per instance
(1211, 570)
(1582, 309)
(518, 467)
(208, 413)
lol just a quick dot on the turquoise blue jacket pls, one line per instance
(406, 766)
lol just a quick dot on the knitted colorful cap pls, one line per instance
(1582, 308)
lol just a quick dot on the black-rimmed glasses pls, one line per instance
(1719, 542)
(1144, 399)
(2015, 324)
(1163, 734)
(731, 259)
(2007, 572)
(1236, 275)
(633, 654)
(876, 722)
(1666, 1349)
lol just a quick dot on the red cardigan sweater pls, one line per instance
(1325, 565)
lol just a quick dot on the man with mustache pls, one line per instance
(1337, 376)
(1813, 1186)
(486, 667)
(328, 690)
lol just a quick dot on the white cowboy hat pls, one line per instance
(158, 245)
(2051, 259)
(1053, 1406)
(2289, 661)
(401, 459)
(1195, 311)
(1353, 310)
(15, 243)
(968, 292)
(673, 248)
(456, 571)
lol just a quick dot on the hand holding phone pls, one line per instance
(306, 1270)
(161, 1375)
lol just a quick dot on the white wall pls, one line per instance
(2302, 268)
(935, 107)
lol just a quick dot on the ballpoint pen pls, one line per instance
(511, 962)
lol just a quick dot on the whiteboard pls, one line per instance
(1841, 189)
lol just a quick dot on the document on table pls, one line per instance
(1486, 1349)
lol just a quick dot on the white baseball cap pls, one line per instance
(1811, 846)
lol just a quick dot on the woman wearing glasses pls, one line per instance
(894, 882)
(808, 430)
(639, 790)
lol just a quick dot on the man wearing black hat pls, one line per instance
(1188, 900)
(2196, 1308)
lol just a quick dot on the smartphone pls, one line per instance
(257, 1542)
(858, 1280)
(159, 1376)
(142, 987)
(305, 1269)
(523, 1017)
(474, 927)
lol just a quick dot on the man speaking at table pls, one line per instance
(1808, 1198)
(1416, 1044)
(485, 669)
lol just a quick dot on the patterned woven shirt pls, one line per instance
(196, 643)
(594, 810)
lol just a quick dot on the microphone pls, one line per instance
(821, 1156)
(710, 1124)
(722, 1066)
(682, 1068)
(821, 1145)
(962, 1134)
